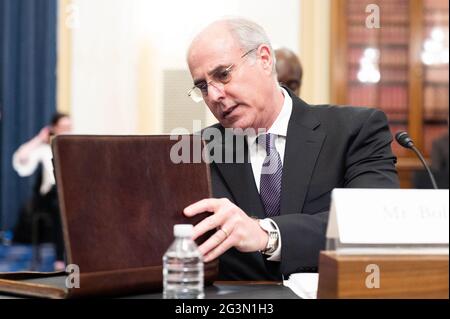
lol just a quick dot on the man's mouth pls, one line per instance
(229, 111)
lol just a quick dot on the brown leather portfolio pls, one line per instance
(119, 198)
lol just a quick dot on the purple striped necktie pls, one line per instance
(270, 183)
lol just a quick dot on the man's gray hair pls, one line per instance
(250, 35)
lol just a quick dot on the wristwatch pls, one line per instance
(272, 243)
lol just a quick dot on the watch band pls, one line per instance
(272, 243)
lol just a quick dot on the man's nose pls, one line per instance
(216, 91)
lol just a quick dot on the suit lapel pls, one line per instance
(303, 144)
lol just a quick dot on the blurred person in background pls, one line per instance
(439, 159)
(439, 154)
(36, 155)
(439, 166)
(289, 69)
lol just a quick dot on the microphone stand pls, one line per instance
(433, 181)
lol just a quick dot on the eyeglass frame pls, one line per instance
(227, 69)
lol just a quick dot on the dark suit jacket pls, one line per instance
(327, 147)
(439, 154)
(439, 166)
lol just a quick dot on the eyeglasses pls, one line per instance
(220, 77)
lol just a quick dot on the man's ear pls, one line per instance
(265, 56)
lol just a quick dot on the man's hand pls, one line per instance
(23, 153)
(234, 228)
(44, 135)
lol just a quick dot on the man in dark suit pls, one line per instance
(439, 155)
(270, 211)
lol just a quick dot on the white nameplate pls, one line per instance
(389, 216)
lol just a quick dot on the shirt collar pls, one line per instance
(280, 126)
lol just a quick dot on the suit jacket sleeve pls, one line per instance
(369, 163)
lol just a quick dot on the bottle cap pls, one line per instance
(183, 230)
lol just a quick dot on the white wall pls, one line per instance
(121, 47)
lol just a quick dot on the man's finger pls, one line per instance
(219, 250)
(205, 205)
(207, 224)
(213, 241)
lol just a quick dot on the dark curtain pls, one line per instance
(27, 90)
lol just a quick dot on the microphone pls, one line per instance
(405, 141)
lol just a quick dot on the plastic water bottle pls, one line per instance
(183, 267)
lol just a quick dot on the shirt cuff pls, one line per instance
(276, 255)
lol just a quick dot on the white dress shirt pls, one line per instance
(258, 153)
(42, 154)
